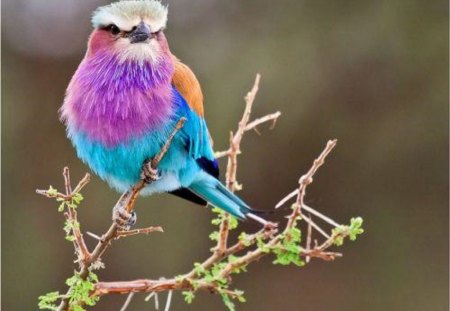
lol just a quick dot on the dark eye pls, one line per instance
(113, 29)
(156, 33)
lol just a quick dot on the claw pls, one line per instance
(149, 174)
(124, 219)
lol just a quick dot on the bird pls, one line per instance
(126, 97)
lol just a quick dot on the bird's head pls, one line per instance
(130, 29)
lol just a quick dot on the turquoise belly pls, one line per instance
(121, 165)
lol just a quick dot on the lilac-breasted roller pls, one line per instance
(124, 101)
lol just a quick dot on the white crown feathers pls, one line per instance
(126, 14)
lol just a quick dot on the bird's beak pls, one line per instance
(141, 33)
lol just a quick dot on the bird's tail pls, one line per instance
(214, 192)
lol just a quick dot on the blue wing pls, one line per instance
(195, 134)
(205, 185)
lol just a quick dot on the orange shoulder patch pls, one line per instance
(187, 84)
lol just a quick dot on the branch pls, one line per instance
(193, 280)
(215, 273)
(71, 216)
(89, 260)
(232, 153)
(125, 233)
(306, 179)
(270, 117)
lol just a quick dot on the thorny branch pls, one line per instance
(215, 273)
(232, 153)
(86, 259)
(189, 281)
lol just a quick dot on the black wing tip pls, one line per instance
(260, 212)
(186, 194)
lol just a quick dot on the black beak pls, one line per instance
(141, 33)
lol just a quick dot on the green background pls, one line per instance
(373, 74)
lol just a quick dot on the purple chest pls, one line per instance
(112, 101)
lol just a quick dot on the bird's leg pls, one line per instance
(149, 173)
(124, 219)
(121, 216)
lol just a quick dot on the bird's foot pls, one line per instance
(149, 174)
(124, 219)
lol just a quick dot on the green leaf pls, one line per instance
(240, 295)
(352, 231)
(244, 238)
(52, 191)
(48, 301)
(62, 206)
(92, 277)
(262, 245)
(216, 221)
(77, 308)
(233, 222)
(355, 228)
(214, 236)
(179, 278)
(238, 269)
(188, 296)
(228, 303)
(77, 198)
(287, 251)
(70, 238)
(80, 291)
(67, 226)
(199, 269)
(294, 234)
(72, 280)
(71, 205)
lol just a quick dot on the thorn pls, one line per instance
(93, 235)
(267, 224)
(127, 302)
(168, 301)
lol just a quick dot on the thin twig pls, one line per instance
(308, 240)
(67, 185)
(315, 226)
(286, 198)
(71, 216)
(156, 299)
(83, 182)
(168, 301)
(93, 235)
(306, 179)
(79, 240)
(317, 253)
(186, 282)
(320, 215)
(127, 302)
(126, 233)
(129, 197)
(270, 117)
(234, 150)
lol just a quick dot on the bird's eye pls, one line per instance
(113, 29)
(154, 34)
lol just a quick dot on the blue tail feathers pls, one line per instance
(214, 192)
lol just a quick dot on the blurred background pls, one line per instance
(373, 74)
